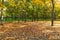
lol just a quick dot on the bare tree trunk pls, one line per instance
(52, 13)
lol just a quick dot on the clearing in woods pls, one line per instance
(30, 31)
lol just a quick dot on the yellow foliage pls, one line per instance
(1, 6)
(11, 2)
(57, 5)
(37, 2)
(24, 1)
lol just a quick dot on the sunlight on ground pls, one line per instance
(30, 31)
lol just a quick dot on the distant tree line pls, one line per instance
(35, 9)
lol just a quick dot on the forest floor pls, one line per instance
(41, 30)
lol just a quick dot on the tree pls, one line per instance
(52, 12)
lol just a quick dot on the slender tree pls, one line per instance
(2, 13)
(52, 13)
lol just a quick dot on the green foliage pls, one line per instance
(30, 8)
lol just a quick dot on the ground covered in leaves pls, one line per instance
(29, 31)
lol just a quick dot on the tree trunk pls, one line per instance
(2, 13)
(52, 13)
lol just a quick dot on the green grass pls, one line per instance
(10, 19)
